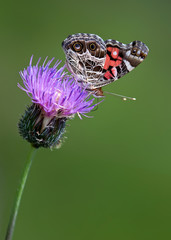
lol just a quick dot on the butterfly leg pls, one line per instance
(97, 92)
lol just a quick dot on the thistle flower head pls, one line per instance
(58, 94)
(56, 97)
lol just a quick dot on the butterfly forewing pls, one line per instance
(122, 58)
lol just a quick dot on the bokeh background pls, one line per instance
(112, 177)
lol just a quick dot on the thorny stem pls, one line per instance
(20, 189)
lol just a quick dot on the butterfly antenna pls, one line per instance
(121, 96)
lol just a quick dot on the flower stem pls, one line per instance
(20, 189)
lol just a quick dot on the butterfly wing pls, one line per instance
(96, 63)
(85, 58)
(122, 58)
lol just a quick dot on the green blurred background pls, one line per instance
(112, 177)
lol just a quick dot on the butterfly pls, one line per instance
(96, 63)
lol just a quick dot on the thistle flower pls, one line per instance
(56, 97)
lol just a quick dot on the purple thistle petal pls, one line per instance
(57, 93)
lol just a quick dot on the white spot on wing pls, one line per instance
(128, 53)
(128, 65)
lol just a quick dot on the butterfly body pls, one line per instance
(96, 63)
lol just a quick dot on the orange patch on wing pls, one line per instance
(107, 61)
(117, 63)
(109, 49)
(113, 63)
(115, 55)
(108, 75)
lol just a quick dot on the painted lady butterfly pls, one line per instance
(96, 63)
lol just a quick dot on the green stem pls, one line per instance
(20, 189)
